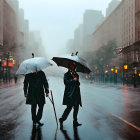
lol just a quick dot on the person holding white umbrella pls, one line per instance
(35, 83)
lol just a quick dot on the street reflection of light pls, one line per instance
(126, 100)
(116, 71)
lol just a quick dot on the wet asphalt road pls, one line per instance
(109, 112)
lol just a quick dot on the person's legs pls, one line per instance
(75, 113)
(33, 112)
(66, 113)
(40, 112)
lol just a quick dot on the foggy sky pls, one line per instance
(57, 19)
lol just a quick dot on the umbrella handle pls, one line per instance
(54, 107)
(50, 99)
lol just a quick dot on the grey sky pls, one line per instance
(57, 19)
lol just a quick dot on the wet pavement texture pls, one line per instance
(109, 112)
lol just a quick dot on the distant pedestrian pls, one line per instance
(15, 78)
(72, 97)
(34, 85)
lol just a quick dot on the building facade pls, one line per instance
(9, 28)
(112, 5)
(1, 24)
(109, 30)
(83, 33)
(123, 26)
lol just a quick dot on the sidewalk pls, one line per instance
(4, 84)
(118, 85)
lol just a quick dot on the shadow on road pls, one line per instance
(36, 133)
(75, 134)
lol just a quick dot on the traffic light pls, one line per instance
(11, 58)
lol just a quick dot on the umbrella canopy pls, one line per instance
(32, 65)
(64, 60)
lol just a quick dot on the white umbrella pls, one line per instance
(81, 64)
(33, 65)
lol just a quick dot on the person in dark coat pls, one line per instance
(34, 86)
(72, 97)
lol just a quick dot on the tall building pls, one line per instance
(69, 45)
(112, 5)
(9, 27)
(14, 4)
(1, 24)
(137, 21)
(137, 34)
(78, 38)
(91, 19)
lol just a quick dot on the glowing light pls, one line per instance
(13, 62)
(4, 63)
(112, 69)
(10, 64)
(106, 71)
(11, 58)
(125, 67)
(86, 77)
(135, 71)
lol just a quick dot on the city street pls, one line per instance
(109, 112)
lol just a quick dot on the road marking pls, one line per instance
(125, 121)
(118, 117)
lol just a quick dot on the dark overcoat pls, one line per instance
(72, 94)
(34, 86)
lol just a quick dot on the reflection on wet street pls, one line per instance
(75, 134)
(36, 133)
(109, 112)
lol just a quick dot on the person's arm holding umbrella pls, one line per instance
(68, 80)
(77, 77)
(25, 85)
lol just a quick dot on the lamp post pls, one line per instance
(135, 73)
(125, 68)
(7, 67)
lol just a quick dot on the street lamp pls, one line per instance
(125, 67)
(112, 69)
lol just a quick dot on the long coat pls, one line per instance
(72, 94)
(34, 85)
